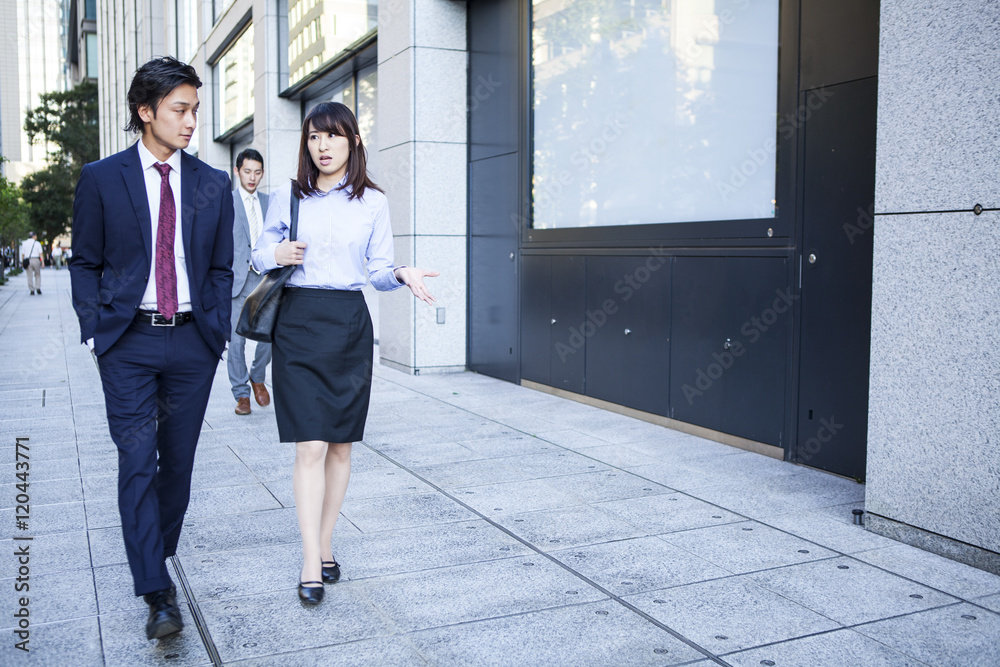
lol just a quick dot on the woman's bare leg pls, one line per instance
(338, 474)
(309, 484)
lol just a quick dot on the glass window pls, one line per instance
(187, 29)
(90, 10)
(316, 36)
(92, 61)
(234, 77)
(219, 8)
(653, 111)
(360, 93)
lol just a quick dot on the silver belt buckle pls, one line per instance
(165, 322)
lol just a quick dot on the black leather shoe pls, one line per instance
(331, 571)
(311, 594)
(164, 614)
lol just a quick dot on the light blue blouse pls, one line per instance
(348, 241)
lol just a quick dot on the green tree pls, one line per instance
(13, 213)
(68, 121)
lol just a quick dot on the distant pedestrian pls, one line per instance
(323, 339)
(153, 254)
(57, 256)
(33, 251)
(250, 206)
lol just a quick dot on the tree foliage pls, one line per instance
(13, 211)
(68, 121)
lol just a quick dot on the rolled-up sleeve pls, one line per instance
(276, 223)
(380, 251)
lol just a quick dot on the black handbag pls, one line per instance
(260, 310)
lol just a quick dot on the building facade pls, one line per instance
(667, 209)
(34, 40)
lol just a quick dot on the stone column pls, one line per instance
(422, 64)
(276, 121)
(934, 414)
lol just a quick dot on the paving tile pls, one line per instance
(572, 439)
(498, 500)
(116, 591)
(238, 531)
(636, 565)
(957, 635)
(551, 464)
(54, 552)
(230, 500)
(376, 514)
(57, 596)
(43, 519)
(237, 573)
(76, 642)
(822, 529)
(666, 513)
(849, 591)
(100, 487)
(575, 526)
(412, 455)
(40, 471)
(619, 456)
(841, 647)
(464, 593)
(382, 483)
(471, 473)
(674, 446)
(588, 634)
(262, 625)
(37, 453)
(107, 546)
(284, 490)
(52, 492)
(747, 546)
(991, 602)
(364, 555)
(382, 651)
(602, 486)
(227, 473)
(731, 614)
(512, 444)
(677, 475)
(949, 576)
(123, 635)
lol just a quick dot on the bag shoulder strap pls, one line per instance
(293, 234)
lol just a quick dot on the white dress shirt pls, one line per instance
(349, 241)
(31, 248)
(152, 179)
(250, 200)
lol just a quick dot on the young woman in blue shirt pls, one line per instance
(323, 339)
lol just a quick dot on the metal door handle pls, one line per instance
(728, 344)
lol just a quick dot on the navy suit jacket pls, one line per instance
(113, 245)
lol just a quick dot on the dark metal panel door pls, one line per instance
(568, 312)
(627, 330)
(493, 202)
(729, 340)
(839, 194)
(536, 316)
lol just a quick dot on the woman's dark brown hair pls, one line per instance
(336, 118)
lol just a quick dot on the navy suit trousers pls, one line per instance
(157, 382)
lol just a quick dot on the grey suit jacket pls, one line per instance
(241, 238)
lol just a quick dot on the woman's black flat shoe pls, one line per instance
(331, 572)
(311, 594)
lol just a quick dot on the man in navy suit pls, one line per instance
(152, 281)
(251, 207)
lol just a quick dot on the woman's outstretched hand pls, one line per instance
(413, 278)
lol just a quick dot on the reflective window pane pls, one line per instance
(90, 10)
(92, 63)
(653, 111)
(319, 30)
(235, 72)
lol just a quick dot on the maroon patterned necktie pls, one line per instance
(166, 273)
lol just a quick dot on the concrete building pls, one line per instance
(618, 217)
(34, 43)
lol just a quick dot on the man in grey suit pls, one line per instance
(250, 207)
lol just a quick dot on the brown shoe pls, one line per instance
(260, 394)
(243, 405)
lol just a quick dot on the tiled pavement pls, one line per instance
(485, 524)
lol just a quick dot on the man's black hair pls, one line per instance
(249, 154)
(154, 81)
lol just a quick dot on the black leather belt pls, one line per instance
(155, 319)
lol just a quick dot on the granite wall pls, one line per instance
(934, 411)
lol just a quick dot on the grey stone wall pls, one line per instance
(934, 411)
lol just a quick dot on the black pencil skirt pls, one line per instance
(322, 365)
